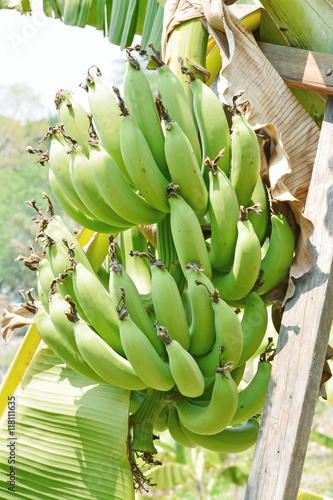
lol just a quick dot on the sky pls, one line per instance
(47, 56)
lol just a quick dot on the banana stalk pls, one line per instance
(188, 41)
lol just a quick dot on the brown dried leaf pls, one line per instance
(14, 316)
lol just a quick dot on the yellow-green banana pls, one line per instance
(44, 278)
(217, 415)
(184, 168)
(75, 213)
(184, 369)
(202, 329)
(140, 102)
(55, 341)
(230, 440)
(161, 422)
(186, 232)
(228, 337)
(138, 269)
(260, 220)
(213, 126)
(57, 229)
(115, 369)
(223, 216)
(176, 431)
(60, 310)
(251, 400)
(245, 159)
(148, 365)
(74, 117)
(254, 324)
(119, 281)
(279, 255)
(244, 272)
(86, 188)
(237, 373)
(117, 192)
(59, 164)
(168, 304)
(57, 253)
(96, 303)
(141, 165)
(106, 117)
(176, 104)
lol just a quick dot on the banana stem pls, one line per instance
(188, 41)
(167, 251)
(143, 421)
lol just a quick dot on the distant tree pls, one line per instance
(22, 179)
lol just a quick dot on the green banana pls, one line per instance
(60, 310)
(260, 220)
(251, 400)
(184, 167)
(96, 303)
(245, 159)
(176, 431)
(279, 255)
(140, 163)
(176, 103)
(106, 117)
(224, 215)
(74, 117)
(55, 341)
(148, 365)
(213, 126)
(58, 254)
(115, 369)
(44, 278)
(119, 281)
(86, 188)
(254, 324)
(241, 278)
(230, 440)
(138, 269)
(72, 210)
(168, 304)
(184, 369)
(115, 189)
(238, 372)
(186, 232)
(202, 329)
(228, 337)
(161, 422)
(57, 230)
(59, 164)
(140, 103)
(217, 415)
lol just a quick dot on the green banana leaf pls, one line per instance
(321, 439)
(306, 495)
(67, 436)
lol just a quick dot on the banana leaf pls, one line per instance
(67, 436)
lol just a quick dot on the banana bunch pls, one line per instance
(162, 319)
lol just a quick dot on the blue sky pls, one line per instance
(47, 55)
